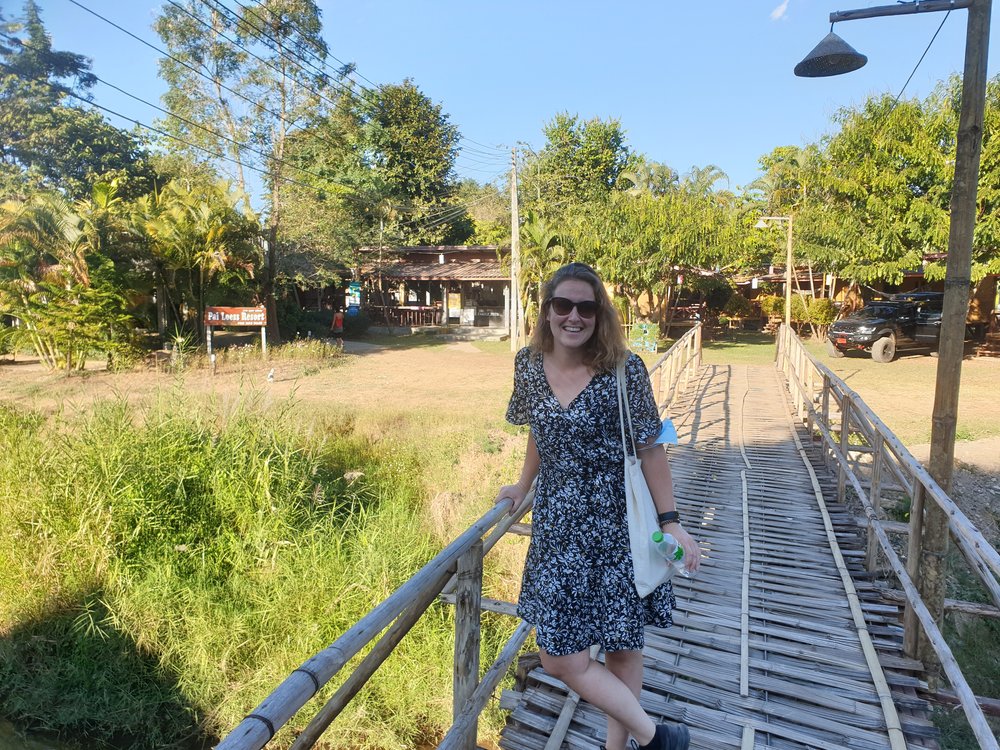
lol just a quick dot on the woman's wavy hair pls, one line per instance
(608, 346)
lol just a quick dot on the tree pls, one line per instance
(200, 247)
(489, 210)
(47, 144)
(58, 284)
(580, 162)
(541, 254)
(412, 147)
(264, 79)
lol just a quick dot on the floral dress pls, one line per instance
(578, 588)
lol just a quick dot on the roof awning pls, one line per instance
(472, 270)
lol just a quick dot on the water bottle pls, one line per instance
(673, 552)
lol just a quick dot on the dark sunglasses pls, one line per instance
(587, 308)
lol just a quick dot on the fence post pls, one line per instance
(468, 598)
(911, 624)
(697, 345)
(875, 497)
(845, 437)
(825, 410)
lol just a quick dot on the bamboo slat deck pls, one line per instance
(766, 650)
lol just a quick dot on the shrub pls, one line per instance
(821, 312)
(771, 304)
(738, 306)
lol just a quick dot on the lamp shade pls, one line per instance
(830, 57)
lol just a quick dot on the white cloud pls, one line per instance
(780, 11)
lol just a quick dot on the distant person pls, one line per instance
(578, 587)
(337, 327)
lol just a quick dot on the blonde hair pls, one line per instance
(607, 346)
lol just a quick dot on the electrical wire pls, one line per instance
(277, 70)
(260, 4)
(491, 151)
(195, 70)
(239, 146)
(233, 21)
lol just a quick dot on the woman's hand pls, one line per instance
(516, 495)
(692, 552)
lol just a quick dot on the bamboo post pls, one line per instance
(468, 598)
(845, 437)
(825, 405)
(875, 497)
(911, 625)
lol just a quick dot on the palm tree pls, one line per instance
(541, 254)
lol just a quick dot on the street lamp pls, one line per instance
(764, 223)
(933, 541)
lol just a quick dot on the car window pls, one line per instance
(870, 312)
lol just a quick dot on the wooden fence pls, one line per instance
(869, 457)
(455, 573)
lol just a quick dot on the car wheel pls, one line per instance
(884, 349)
(833, 351)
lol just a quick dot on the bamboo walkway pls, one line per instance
(780, 641)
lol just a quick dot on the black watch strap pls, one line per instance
(670, 516)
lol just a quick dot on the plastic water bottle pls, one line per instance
(673, 552)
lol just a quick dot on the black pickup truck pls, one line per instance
(904, 321)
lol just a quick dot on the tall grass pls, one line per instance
(163, 568)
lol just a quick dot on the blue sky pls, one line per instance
(694, 83)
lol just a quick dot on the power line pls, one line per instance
(233, 20)
(372, 94)
(194, 70)
(239, 145)
(263, 35)
(207, 25)
(346, 65)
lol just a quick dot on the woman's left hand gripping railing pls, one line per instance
(462, 558)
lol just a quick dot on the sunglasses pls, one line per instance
(587, 308)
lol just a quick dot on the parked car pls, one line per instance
(904, 321)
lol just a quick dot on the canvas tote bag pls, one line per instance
(650, 567)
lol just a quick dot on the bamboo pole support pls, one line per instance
(875, 495)
(468, 636)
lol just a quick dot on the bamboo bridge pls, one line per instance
(803, 629)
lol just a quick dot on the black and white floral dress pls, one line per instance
(578, 587)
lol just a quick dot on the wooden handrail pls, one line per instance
(856, 420)
(458, 567)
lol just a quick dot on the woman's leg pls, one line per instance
(627, 667)
(600, 687)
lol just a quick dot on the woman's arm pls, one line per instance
(517, 493)
(656, 470)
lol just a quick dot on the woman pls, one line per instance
(578, 587)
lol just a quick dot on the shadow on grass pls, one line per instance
(70, 676)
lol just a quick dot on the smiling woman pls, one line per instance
(579, 588)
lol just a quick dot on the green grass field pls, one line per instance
(169, 557)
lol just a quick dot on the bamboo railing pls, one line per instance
(457, 571)
(869, 457)
(673, 371)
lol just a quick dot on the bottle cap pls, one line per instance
(657, 537)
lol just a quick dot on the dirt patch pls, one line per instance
(976, 481)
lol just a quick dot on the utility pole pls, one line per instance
(955, 308)
(928, 543)
(516, 314)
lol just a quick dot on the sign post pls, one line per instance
(235, 317)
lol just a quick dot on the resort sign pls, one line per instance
(237, 317)
(250, 317)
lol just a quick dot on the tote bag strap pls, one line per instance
(624, 411)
